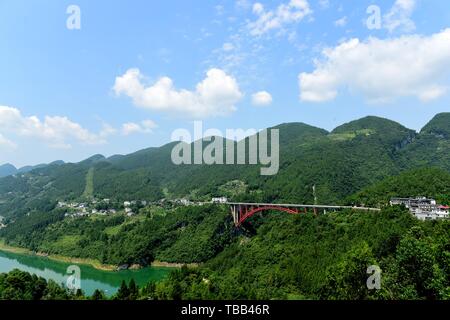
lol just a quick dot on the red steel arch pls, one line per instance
(248, 213)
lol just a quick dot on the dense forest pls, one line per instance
(273, 255)
(300, 257)
(19, 285)
(185, 234)
(339, 163)
(325, 257)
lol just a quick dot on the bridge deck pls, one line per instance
(317, 206)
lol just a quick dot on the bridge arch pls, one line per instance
(247, 213)
(242, 211)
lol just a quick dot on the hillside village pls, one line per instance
(130, 208)
(423, 208)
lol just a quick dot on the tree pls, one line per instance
(133, 290)
(347, 280)
(123, 293)
(149, 291)
(415, 272)
(98, 295)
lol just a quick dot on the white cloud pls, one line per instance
(341, 22)
(6, 143)
(107, 131)
(382, 70)
(145, 126)
(284, 14)
(216, 95)
(56, 130)
(258, 8)
(399, 16)
(261, 98)
(227, 46)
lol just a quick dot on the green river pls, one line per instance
(91, 278)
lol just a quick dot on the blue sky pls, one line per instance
(137, 70)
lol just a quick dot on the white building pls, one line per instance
(423, 208)
(185, 202)
(219, 200)
(437, 213)
(413, 202)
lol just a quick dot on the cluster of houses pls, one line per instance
(75, 209)
(182, 202)
(84, 209)
(423, 208)
(129, 204)
(187, 202)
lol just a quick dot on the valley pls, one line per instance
(133, 210)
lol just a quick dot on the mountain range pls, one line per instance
(339, 163)
(273, 255)
(8, 169)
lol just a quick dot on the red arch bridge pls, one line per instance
(242, 211)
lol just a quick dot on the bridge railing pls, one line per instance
(317, 206)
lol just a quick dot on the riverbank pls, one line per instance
(90, 262)
(173, 265)
(91, 278)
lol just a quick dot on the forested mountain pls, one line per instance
(285, 257)
(274, 255)
(424, 182)
(8, 169)
(431, 146)
(339, 163)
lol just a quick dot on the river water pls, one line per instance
(90, 277)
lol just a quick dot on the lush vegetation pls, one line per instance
(185, 234)
(325, 257)
(274, 255)
(19, 285)
(300, 257)
(425, 182)
(339, 163)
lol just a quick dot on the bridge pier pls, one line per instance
(234, 214)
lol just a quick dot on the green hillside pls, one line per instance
(424, 182)
(325, 257)
(431, 146)
(273, 255)
(340, 163)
